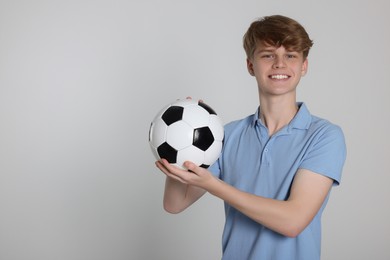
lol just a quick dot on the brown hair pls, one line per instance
(277, 30)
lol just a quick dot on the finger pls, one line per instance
(170, 167)
(192, 167)
(190, 98)
(169, 170)
(161, 167)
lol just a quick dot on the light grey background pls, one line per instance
(81, 80)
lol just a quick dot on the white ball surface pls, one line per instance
(187, 130)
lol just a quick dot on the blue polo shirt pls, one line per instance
(254, 162)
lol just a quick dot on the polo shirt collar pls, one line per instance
(301, 120)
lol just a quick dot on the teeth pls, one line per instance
(279, 76)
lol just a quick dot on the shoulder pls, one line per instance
(326, 151)
(304, 120)
(326, 137)
(324, 128)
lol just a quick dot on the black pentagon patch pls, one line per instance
(172, 115)
(208, 109)
(167, 152)
(203, 138)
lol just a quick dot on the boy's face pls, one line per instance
(277, 70)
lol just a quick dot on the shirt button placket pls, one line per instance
(266, 153)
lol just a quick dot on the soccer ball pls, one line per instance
(187, 130)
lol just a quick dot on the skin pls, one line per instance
(277, 72)
(277, 96)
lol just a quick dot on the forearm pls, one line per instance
(284, 217)
(178, 196)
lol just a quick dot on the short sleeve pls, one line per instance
(327, 153)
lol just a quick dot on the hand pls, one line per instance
(196, 176)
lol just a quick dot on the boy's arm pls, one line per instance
(177, 195)
(289, 218)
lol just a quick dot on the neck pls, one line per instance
(276, 114)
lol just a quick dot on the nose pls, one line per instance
(278, 63)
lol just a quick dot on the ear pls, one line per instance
(305, 66)
(249, 66)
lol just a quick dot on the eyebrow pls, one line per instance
(273, 49)
(267, 49)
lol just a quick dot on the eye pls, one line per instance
(291, 56)
(268, 56)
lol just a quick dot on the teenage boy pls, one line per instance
(277, 166)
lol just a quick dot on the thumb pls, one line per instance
(192, 167)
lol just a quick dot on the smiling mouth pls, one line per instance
(279, 76)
